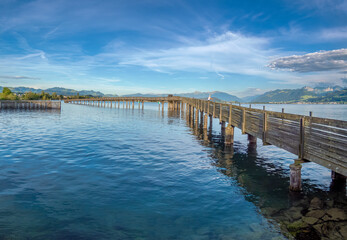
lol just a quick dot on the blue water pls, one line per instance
(101, 173)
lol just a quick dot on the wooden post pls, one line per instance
(208, 108)
(143, 105)
(295, 177)
(222, 128)
(230, 112)
(302, 138)
(252, 139)
(264, 126)
(205, 121)
(133, 104)
(220, 112)
(162, 106)
(211, 121)
(243, 128)
(196, 115)
(338, 183)
(139, 104)
(214, 109)
(229, 135)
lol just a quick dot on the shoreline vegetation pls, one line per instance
(7, 94)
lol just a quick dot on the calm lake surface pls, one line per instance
(100, 173)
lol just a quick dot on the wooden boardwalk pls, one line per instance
(319, 140)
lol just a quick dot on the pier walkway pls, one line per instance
(319, 140)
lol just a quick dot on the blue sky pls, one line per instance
(149, 46)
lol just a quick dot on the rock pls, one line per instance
(327, 228)
(269, 211)
(343, 231)
(316, 203)
(315, 213)
(310, 220)
(329, 203)
(337, 214)
(296, 226)
(318, 228)
(294, 213)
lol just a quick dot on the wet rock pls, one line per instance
(316, 203)
(343, 231)
(310, 220)
(327, 228)
(296, 226)
(329, 203)
(318, 228)
(310, 234)
(337, 214)
(269, 211)
(315, 213)
(294, 213)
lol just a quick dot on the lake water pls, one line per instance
(99, 173)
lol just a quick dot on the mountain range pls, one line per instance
(60, 91)
(305, 94)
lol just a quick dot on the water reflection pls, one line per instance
(266, 185)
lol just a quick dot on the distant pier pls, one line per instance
(312, 139)
(29, 104)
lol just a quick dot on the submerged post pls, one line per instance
(295, 176)
(229, 135)
(338, 183)
(252, 139)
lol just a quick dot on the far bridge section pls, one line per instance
(319, 140)
(29, 104)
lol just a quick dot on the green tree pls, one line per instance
(6, 91)
(31, 96)
(54, 96)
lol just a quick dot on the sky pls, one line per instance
(124, 46)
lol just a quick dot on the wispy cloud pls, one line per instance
(19, 78)
(226, 53)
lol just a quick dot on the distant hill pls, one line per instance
(304, 94)
(219, 95)
(336, 96)
(222, 96)
(60, 91)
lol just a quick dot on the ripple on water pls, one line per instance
(98, 173)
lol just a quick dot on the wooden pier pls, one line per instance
(29, 104)
(319, 140)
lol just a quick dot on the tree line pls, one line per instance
(7, 94)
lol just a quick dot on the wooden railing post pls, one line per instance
(264, 126)
(220, 112)
(303, 122)
(243, 125)
(214, 109)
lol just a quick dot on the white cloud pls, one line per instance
(313, 62)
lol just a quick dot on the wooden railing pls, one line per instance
(320, 140)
